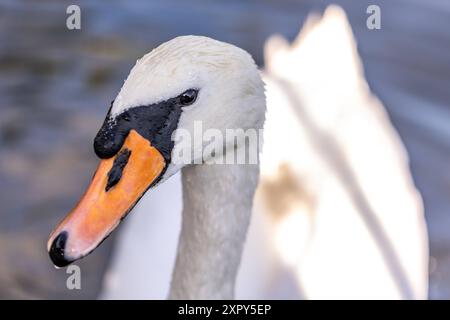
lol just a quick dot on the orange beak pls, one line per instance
(117, 185)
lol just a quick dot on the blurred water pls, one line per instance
(56, 85)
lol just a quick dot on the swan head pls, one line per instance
(186, 81)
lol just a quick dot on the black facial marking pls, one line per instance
(155, 122)
(115, 174)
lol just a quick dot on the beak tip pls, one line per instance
(56, 252)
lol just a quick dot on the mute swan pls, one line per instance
(345, 234)
(186, 79)
(304, 242)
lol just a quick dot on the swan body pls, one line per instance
(354, 225)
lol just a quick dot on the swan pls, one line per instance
(187, 79)
(302, 242)
(320, 245)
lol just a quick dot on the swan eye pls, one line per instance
(188, 97)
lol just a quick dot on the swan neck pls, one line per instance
(217, 204)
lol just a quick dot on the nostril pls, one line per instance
(57, 250)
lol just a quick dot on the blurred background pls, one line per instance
(56, 86)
